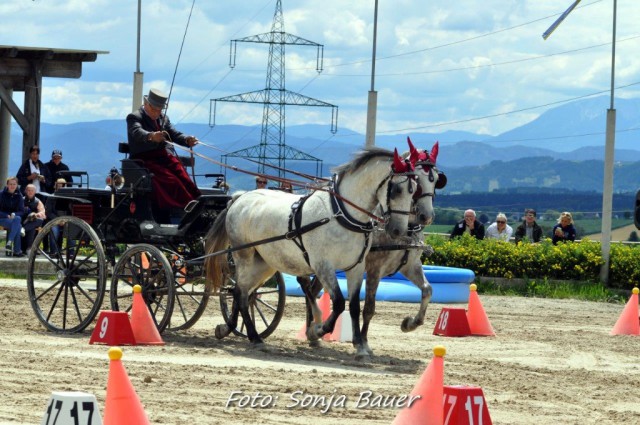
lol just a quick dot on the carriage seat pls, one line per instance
(187, 161)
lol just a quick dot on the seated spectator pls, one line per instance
(11, 211)
(54, 166)
(52, 212)
(261, 182)
(33, 217)
(500, 229)
(468, 225)
(34, 172)
(564, 230)
(529, 229)
(286, 187)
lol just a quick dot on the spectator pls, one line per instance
(52, 213)
(149, 130)
(500, 229)
(11, 211)
(564, 230)
(529, 229)
(33, 217)
(54, 166)
(261, 182)
(286, 187)
(34, 172)
(468, 225)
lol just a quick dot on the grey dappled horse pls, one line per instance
(339, 241)
(389, 255)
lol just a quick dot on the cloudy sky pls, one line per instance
(479, 66)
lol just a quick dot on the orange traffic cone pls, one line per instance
(143, 326)
(429, 408)
(628, 323)
(476, 316)
(325, 306)
(122, 405)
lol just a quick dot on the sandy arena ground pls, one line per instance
(552, 362)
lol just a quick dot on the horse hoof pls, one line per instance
(221, 331)
(313, 332)
(260, 346)
(363, 356)
(408, 325)
(315, 343)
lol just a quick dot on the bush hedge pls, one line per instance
(566, 261)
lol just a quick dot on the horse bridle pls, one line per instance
(410, 176)
(430, 167)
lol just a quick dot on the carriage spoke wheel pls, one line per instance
(191, 293)
(147, 266)
(66, 284)
(266, 305)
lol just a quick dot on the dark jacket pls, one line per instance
(569, 233)
(11, 203)
(521, 232)
(139, 125)
(461, 227)
(25, 170)
(53, 172)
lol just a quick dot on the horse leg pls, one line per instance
(354, 279)
(413, 271)
(369, 308)
(328, 276)
(225, 329)
(311, 288)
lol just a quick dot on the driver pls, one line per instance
(148, 129)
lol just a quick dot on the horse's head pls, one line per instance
(429, 179)
(396, 196)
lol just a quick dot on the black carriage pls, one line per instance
(110, 240)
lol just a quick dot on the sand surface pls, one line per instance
(552, 362)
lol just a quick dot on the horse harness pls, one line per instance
(406, 247)
(343, 217)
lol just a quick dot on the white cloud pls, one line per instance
(419, 46)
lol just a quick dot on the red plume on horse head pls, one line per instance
(422, 155)
(414, 154)
(434, 152)
(400, 165)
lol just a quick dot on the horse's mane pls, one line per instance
(360, 158)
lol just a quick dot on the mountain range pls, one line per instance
(562, 148)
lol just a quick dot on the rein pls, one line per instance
(333, 193)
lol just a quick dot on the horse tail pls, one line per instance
(217, 239)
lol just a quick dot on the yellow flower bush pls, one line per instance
(566, 261)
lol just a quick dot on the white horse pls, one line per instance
(339, 241)
(389, 255)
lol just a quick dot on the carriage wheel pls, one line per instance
(266, 304)
(191, 294)
(144, 265)
(67, 288)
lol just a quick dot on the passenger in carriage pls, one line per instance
(54, 166)
(33, 217)
(148, 131)
(34, 172)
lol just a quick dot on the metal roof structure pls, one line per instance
(22, 69)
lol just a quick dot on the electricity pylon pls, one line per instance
(272, 148)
